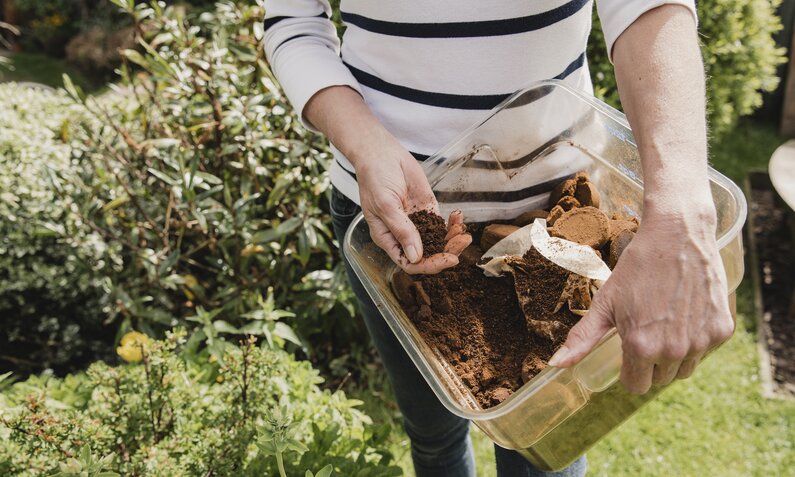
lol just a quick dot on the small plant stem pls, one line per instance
(280, 463)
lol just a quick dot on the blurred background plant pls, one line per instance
(257, 411)
(52, 298)
(740, 56)
(212, 192)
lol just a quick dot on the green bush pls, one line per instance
(740, 57)
(255, 412)
(50, 262)
(213, 191)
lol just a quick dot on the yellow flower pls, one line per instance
(131, 346)
(219, 379)
(252, 249)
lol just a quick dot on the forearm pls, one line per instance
(660, 78)
(341, 114)
(391, 182)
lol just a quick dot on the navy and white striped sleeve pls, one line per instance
(303, 49)
(617, 15)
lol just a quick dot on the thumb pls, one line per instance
(585, 334)
(404, 231)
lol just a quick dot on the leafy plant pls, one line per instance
(51, 264)
(740, 56)
(210, 189)
(86, 466)
(256, 412)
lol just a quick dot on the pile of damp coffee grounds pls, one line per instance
(497, 333)
(432, 230)
(475, 322)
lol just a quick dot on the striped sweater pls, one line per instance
(429, 69)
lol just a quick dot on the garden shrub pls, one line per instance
(47, 25)
(176, 413)
(740, 57)
(50, 262)
(211, 188)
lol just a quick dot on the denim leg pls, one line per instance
(440, 443)
(512, 464)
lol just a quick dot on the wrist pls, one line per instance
(378, 152)
(695, 212)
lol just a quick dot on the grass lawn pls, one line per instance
(43, 69)
(715, 424)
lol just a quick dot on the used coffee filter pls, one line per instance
(576, 258)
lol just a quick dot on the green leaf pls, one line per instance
(325, 471)
(162, 38)
(244, 53)
(164, 177)
(282, 330)
(277, 233)
(126, 5)
(168, 263)
(162, 143)
(135, 57)
(208, 178)
(296, 445)
(74, 91)
(115, 203)
(243, 201)
(279, 188)
(224, 327)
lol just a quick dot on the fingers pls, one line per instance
(402, 229)
(457, 244)
(687, 367)
(457, 239)
(664, 373)
(583, 336)
(385, 240)
(455, 229)
(431, 265)
(636, 374)
(456, 217)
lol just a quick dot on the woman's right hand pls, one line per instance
(391, 182)
(390, 188)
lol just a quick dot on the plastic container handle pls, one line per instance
(603, 365)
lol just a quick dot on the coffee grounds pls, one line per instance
(432, 231)
(539, 289)
(497, 333)
(477, 325)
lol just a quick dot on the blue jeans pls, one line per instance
(440, 443)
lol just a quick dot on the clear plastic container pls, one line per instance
(537, 137)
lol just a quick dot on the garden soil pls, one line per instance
(775, 247)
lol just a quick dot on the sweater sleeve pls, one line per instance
(617, 15)
(303, 49)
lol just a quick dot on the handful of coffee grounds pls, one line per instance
(432, 230)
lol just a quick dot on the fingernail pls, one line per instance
(559, 356)
(412, 254)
